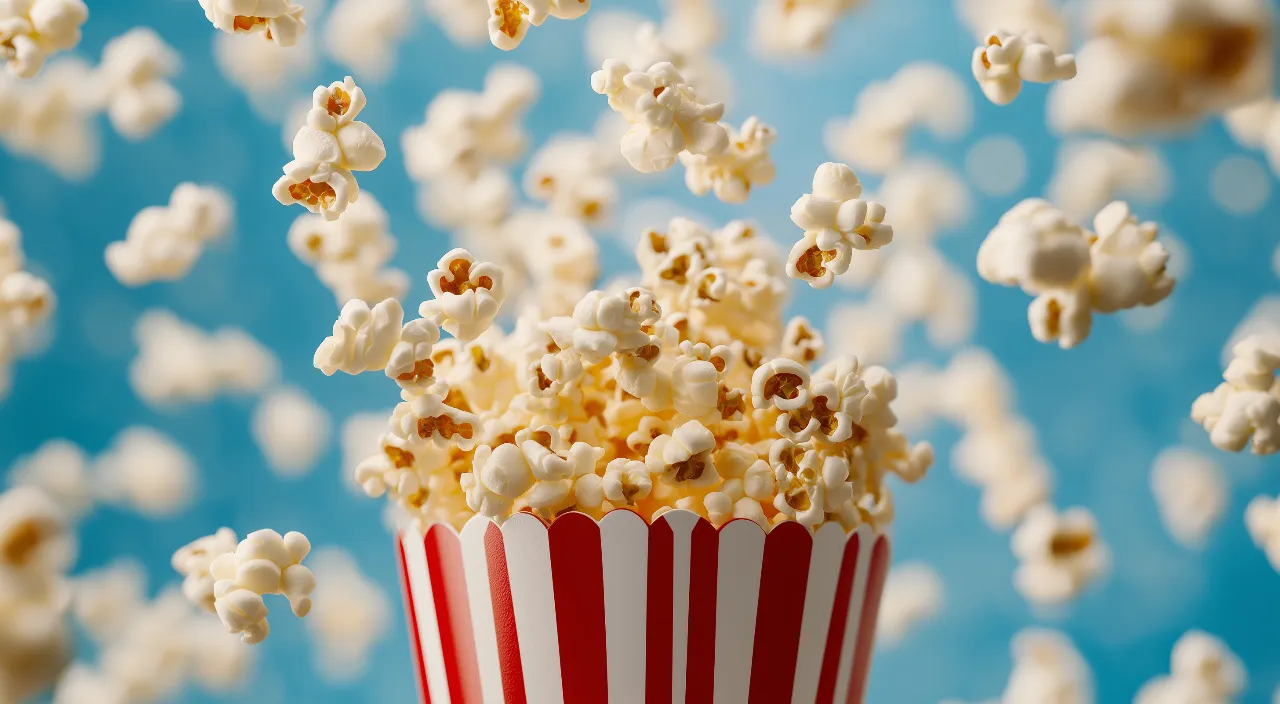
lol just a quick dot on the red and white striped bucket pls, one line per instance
(620, 611)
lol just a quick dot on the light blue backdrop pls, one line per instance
(1103, 411)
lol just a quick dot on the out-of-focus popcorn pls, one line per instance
(919, 284)
(1043, 18)
(164, 242)
(350, 255)
(32, 30)
(280, 20)
(927, 199)
(1262, 321)
(292, 431)
(1146, 69)
(509, 20)
(1047, 669)
(365, 34)
(1246, 405)
(1256, 125)
(60, 469)
(1203, 669)
(463, 21)
(107, 599)
(666, 115)
(359, 438)
(51, 119)
(1190, 493)
(571, 174)
(267, 73)
(34, 537)
(326, 151)
(637, 42)
(26, 303)
(873, 333)
(1089, 174)
(1009, 58)
(350, 615)
(146, 471)
(912, 594)
(133, 78)
(457, 155)
(836, 221)
(874, 137)
(179, 363)
(1060, 554)
(731, 174)
(1262, 518)
(788, 28)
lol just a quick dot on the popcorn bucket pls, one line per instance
(623, 612)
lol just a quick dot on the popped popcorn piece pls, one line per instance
(919, 284)
(731, 174)
(912, 594)
(835, 221)
(1262, 321)
(350, 255)
(874, 137)
(280, 20)
(34, 539)
(107, 599)
(348, 617)
(326, 151)
(1089, 174)
(1047, 668)
(147, 472)
(468, 295)
(163, 243)
(194, 560)
(1043, 18)
(666, 114)
(32, 30)
(363, 338)
(1262, 518)
(359, 438)
(1060, 554)
(1240, 185)
(51, 118)
(60, 469)
(266, 73)
(26, 304)
(178, 363)
(1190, 492)
(291, 430)
(682, 39)
(783, 28)
(1245, 407)
(263, 563)
(509, 20)
(133, 77)
(872, 333)
(365, 34)
(927, 199)
(571, 174)
(1203, 669)
(1009, 58)
(463, 21)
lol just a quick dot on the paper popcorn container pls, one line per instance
(620, 611)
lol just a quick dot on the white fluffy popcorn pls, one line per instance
(919, 284)
(467, 293)
(1047, 669)
(1190, 492)
(1009, 58)
(362, 338)
(836, 221)
(463, 21)
(26, 303)
(268, 74)
(788, 28)
(327, 150)
(912, 594)
(194, 560)
(179, 363)
(1203, 669)
(291, 430)
(34, 538)
(1261, 321)
(666, 115)
(51, 119)
(163, 243)
(106, 599)
(349, 616)
(1043, 18)
(571, 174)
(680, 40)
(732, 173)
(280, 20)
(350, 255)
(1090, 173)
(32, 30)
(874, 137)
(365, 35)
(1262, 518)
(147, 472)
(509, 20)
(1246, 406)
(1060, 554)
(133, 78)
(60, 469)
(927, 198)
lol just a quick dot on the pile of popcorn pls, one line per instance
(1246, 405)
(163, 243)
(32, 30)
(1074, 272)
(26, 303)
(688, 392)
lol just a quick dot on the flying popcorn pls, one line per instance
(163, 243)
(32, 30)
(350, 255)
(463, 21)
(509, 20)
(52, 118)
(1203, 669)
(919, 284)
(34, 540)
(731, 174)
(326, 151)
(836, 221)
(363, 338)
(349, 616)
(179, 363)
(571, 174)
(1008, 59)
(133, 78)
(1090, 173)
(364, 35)
(1190, 492)
(60, 469)
(1047, 668)
(266, 72)
(146, 471)
(292, 431)
(1245, 407)
(194, 561)
(682, 39)
(665, 113)
(1060, 554)
(468, 295)
(912, 594)
(927, 199)
(26, 303)
(280, 20)
(783, 28)
(1262, 518)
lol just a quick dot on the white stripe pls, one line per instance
(737, 592)
(682, 523)
(624, 543)
(533, 600)
(424, 606)
(866, 546)
(475, 566)
(820, 593)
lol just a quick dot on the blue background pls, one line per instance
(1103, 411)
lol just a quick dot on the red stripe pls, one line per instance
(867, 628)
(839, 616)
(453, 613)
(704, 552)
(779, 612)
(577, 579)
(658, 634)
(504, 617)
(415, 641)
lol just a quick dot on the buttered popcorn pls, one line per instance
(1009, 58)
(32, 30)
(280, 20)
(509, 20)
(327, 150)
(163, 243)
(836, 221)
(732, 173)
(1061, 553)
(671, 394)
(1245, 407)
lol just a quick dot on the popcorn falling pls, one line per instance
(365, 35)
(351, 614)
(179, 363)
(1190, 492)
(836, 221)
(326, 151)
(133, 79)
(26, 303)
(1090, 173)
(1203, 670)
(572, 175)
(350, 255)
(280, 20)
(1008, 59)
(1245, 407)
(1047, 669)
(683, 39)
(32, 30)
(509, 20)
(1060, 554)
(163, 243)
(1262, 518)
(786, 28)
(912, 594)
(732, 173)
